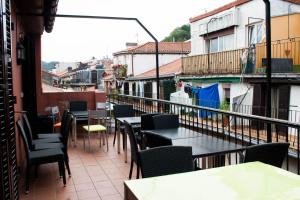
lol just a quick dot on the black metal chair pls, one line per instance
(165, 160)
(133, 148)
(29, 134)
(78, 106)
(40, 157)
(153, 140)
(122, 111)
(165, 121)
(57, 135)
(147, 121)
(64, 145)
(269, 153)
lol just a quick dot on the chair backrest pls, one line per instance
(165, 160)
(97, 116)
(63, 119)
(101, 105)
(24, 138)
(153, 140)
(123, 111)
(67, 129)
(269, 153)
(133, 143)
(78, 106)
(27, 129)
(166, 121)
(147, 121)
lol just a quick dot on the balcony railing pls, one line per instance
(240, 128)
(226, 62)
(284, 49)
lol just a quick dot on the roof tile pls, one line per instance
(163, 47)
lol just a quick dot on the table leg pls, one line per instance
(125, 146)
(75, 131)
(118, 137)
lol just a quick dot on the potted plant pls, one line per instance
(225, 106)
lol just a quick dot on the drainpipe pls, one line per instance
(268, 67)
(132, 64)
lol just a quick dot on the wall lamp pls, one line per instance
(20, 50)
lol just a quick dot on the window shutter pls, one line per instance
(8, 165)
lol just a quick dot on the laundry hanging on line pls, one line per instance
(207, 97)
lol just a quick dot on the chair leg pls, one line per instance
(84, 142)
(89, 142)
(67, 164)
(106, 136)
(130, 171)
(115, 135)
(62, 170)
(27, 179)
(123, 138)
(137, 171)
(99, 134)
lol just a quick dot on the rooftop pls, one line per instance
(170, 69)
(163, 48)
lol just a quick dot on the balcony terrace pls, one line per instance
(285, 55)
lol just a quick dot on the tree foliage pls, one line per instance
(179, 34)
(49, 65)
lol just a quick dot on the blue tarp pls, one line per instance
(207, 97)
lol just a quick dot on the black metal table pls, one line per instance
(202, 145)
(176, 133)
(209, 146)
(135, 122)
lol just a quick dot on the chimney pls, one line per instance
(131, 44)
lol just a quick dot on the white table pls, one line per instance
(249, 181)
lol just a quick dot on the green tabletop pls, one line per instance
(249, 181)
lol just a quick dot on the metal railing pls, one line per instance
(288, 48)
(226, 62)
(240, 128)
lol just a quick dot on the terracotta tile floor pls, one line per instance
(96, 174)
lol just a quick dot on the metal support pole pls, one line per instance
(110, 18)
(268, 67)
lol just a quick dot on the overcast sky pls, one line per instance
(80, 39)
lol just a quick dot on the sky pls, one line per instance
(73, 40)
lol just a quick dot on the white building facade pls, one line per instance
(142, 58)
(236, 27)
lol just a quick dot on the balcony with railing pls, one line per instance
(226, 62)
(285, 56)
(285, 59)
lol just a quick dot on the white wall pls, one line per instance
(294, 115)
(255, 8)
(237, 89)
(144, 62)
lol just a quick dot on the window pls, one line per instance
(222, 43)
(214, 45)
(255, 33)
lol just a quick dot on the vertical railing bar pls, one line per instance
(223, 129)
(217, 119)
(257, 132)
(206, 122)
(242, 127)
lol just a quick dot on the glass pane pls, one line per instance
(221, 43)
(214, 45)
(252, 36)
(228, 42)
(259, 33)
